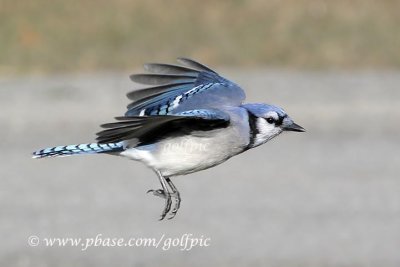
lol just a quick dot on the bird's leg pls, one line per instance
(163, 193)
(177, 197)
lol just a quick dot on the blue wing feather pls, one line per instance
(206, 114)
(181, 88)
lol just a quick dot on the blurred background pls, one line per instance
(56, 36)
(328, 197)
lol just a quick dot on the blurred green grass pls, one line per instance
(56, 36)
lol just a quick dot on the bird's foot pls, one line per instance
(177, 204)
(168, 202)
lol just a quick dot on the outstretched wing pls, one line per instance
(181, 88)
(149, 129)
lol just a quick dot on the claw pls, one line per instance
(167, 206)
(177, 198)
(158, 193)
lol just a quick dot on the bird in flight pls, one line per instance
(189, 119)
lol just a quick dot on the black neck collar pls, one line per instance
(253, 129)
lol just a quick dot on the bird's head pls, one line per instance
(268, 121)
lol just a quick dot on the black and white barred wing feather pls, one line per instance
(181, 88)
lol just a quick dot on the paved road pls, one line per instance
(329, 197)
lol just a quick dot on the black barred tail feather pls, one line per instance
(92, 148)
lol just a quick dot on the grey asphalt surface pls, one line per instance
(328, 197)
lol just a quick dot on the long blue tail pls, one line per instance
(92, 148)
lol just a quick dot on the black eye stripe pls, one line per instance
(278, 122)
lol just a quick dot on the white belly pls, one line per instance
(187, 154)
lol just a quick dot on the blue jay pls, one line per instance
(189, 119)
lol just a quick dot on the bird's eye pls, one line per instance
(270, 120)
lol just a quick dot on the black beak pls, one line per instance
(293, 127)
